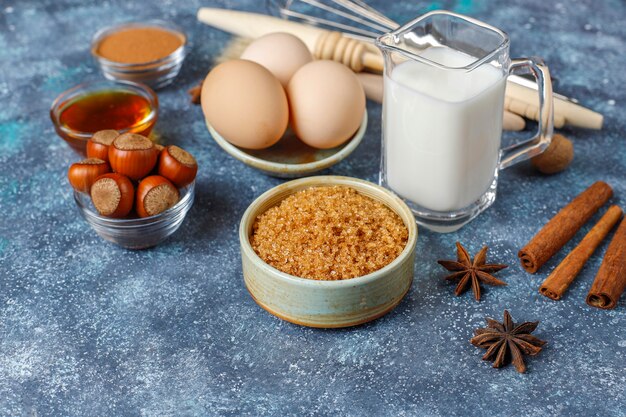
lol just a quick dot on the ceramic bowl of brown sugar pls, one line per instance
(328, 251)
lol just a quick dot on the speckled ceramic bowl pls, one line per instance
(290, 157)
(327, 303)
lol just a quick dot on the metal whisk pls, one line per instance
(358, 20)
(352, 17)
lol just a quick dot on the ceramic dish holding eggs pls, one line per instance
(279, 111)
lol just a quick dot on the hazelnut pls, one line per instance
(556, 157)
(132, 155)
(177, 165)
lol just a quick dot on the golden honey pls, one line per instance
(114, 109)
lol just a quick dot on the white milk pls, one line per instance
(442, 130)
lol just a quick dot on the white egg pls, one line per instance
(281, 53)
(245, 104)
(326, 102)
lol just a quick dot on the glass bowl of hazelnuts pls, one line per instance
(131, 191)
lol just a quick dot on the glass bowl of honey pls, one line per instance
(137, 232)
(87, 108)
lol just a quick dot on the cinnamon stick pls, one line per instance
(610, 281)
(563, 275)
(562, 227)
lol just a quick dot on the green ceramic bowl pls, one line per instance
(327, 303)
(290, 157)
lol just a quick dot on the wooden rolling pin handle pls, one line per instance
(571, 113)
(521, 108)
(512, 121)
(529, 111)
(353, 53)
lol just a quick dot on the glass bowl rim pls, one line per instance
(57, 107)
(138, 222)
(99, 35)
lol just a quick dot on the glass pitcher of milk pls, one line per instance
(444, 83)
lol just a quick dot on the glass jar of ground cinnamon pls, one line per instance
(149, 52)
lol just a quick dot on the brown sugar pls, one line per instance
(139, 45)
(329, 233)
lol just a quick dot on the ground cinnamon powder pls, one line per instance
(139, 45)
(329, 233)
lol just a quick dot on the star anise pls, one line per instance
(470, 272)
(506, 342)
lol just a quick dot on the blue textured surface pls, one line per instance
(87, 328)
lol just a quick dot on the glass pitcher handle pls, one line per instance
(537, 144)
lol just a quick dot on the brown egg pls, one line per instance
(281, 53)
(245, 104)
(327, 104)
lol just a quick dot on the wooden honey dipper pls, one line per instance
(350, 52)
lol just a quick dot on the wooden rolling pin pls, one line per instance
(323, 44)
(530, 111)
(373, 86)
(521, 96)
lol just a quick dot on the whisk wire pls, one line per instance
(355, 32)
(364, 9)
(349, 6)
(360, 20)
